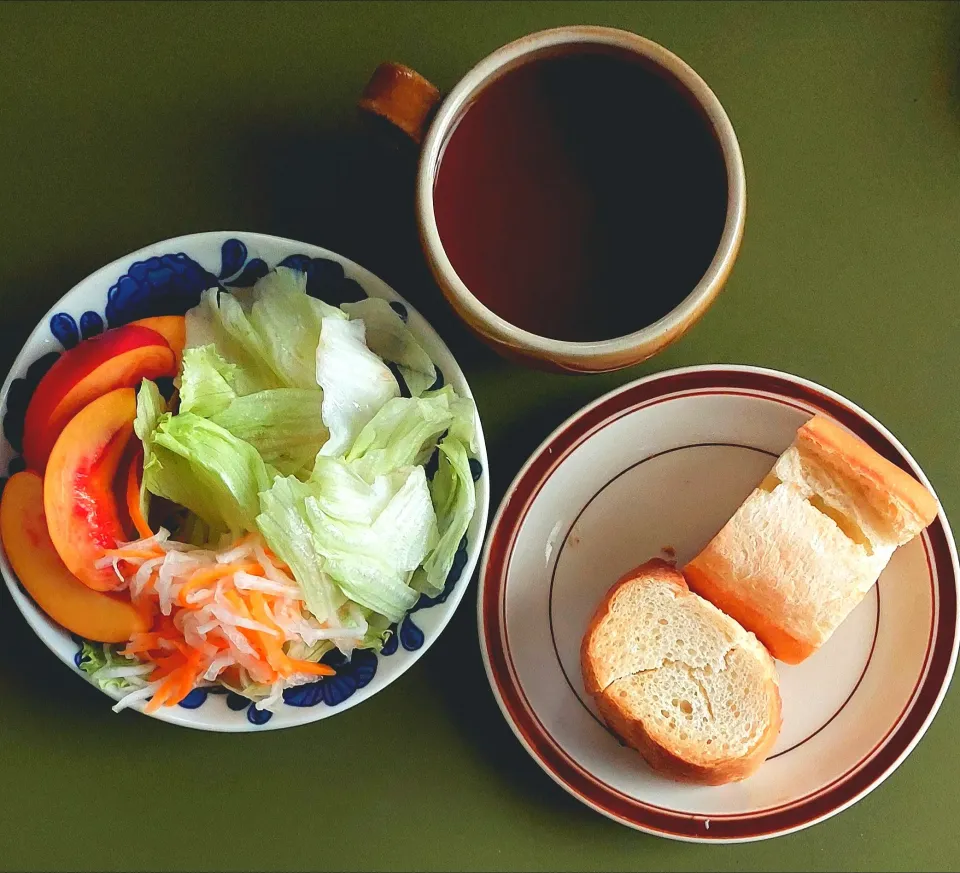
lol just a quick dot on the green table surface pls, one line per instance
(124, 124)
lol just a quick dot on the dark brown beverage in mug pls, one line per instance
(581, 196)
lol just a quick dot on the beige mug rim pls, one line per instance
(653, 336)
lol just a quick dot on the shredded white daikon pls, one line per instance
(218, 665)
(136, 696)
(235, 554)
(271, 570)
(215, 626)
(158, 539)
(142, 576)
(237, 639)
(248, 582)
(274, 698)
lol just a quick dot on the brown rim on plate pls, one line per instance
(850, 786)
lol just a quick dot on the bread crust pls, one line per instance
(669, 760)
(792, 579)
(883, 479)
(785, 647)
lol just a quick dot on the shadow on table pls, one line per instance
(454, 668)
(953, 50)
(454, 665)
(33, 673)
(29, 293)
(348, 188)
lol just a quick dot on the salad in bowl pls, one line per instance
(239, 483)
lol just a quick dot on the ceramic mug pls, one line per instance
(413, 104)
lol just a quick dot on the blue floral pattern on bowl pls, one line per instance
(170, 284)
(408, 634)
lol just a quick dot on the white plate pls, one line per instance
(167, 278)
(658, 467)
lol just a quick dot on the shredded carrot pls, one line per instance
(142, 643)
(155, 702)
(270, 675)
(163, 693)
(139, 522)
(151, 584)
(183, 648)
(166, 627)
(231, 676)
(258, 639)
(166, 666)
(258, 608)
(178, 666)
(155, 552)
(237, 602)
(272, 645)
(131, 650)
(191, 673)
(210, 574)
(217, 639)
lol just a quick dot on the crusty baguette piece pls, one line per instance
(806, 546)
(680, 681)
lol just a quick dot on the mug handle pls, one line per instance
(401, 96)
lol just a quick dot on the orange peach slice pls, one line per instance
(173, 328)
(119, 358)
(107, 618)
(78, 494)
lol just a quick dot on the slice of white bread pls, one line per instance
(680, 681)
(806, 546)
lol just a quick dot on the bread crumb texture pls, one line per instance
(699, 684)
(811, 540)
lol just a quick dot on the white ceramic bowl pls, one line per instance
(167, 278)
(658, 467)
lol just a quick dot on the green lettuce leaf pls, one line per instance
(378, 630)
(388, 337)
(206, 381)
(464, 424)
(372, 562)
(284, 425)
(302, 652)
(150, 407)
(405, 432)
(220, 321)
(455, 500)
(341, 492)
(355, 382)
(289, 321)
(270, 331)
(365, 540)
(283, 523)
(98, 657)
(206, 469)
